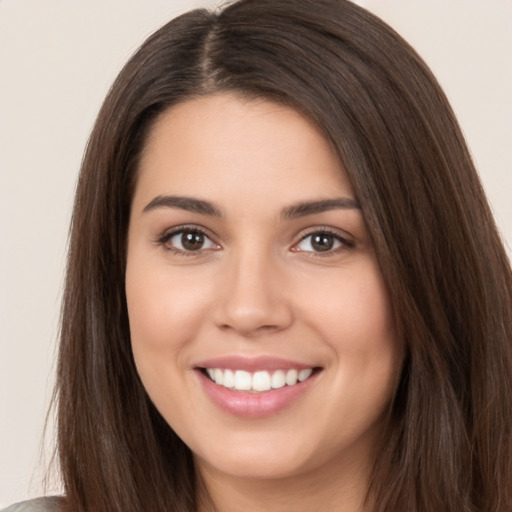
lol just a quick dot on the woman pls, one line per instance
(285, 288)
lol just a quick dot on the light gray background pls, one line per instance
(57, 60)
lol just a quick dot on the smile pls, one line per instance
(255, 387)
(259, 381)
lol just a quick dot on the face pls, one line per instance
(260, 324)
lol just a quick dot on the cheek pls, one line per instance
(164, 312)
(357, 322)
(354, 309)
(370, 319)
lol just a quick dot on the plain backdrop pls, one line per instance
(57, 61)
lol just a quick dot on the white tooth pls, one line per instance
(211, 373)
(278, 379)
(291, 377)
(261, 381)
(243, 380)
(304, 374)
(228, 380)
(218, 376)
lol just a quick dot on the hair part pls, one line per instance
(447, 445)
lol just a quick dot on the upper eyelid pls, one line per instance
(340, 233)
(170, 232)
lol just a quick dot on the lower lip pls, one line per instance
(254, 405)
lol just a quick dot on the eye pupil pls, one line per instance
(192, 240)
(322, 242)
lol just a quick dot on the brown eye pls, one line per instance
(322, 242)
(192, 240)
(188, 240)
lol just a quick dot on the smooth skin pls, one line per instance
(251, 274)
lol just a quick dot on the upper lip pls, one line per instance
(252, 364)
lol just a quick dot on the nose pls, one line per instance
(253, 299)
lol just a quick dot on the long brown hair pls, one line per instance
(448, 441)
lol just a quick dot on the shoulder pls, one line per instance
(51, 504)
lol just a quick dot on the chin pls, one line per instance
(269, 459)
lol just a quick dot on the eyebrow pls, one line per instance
(301, 209)
(189, 204)
(312, 207)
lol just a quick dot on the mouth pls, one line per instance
(259, 381)
(255, 387)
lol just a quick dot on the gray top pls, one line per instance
(50, 504)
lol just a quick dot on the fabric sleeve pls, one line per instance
(50, 504)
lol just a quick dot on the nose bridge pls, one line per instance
(254, 297)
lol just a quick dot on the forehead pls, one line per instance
(224, 144)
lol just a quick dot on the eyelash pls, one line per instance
(345, 243)
(168, 235)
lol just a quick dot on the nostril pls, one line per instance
(248, 329)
